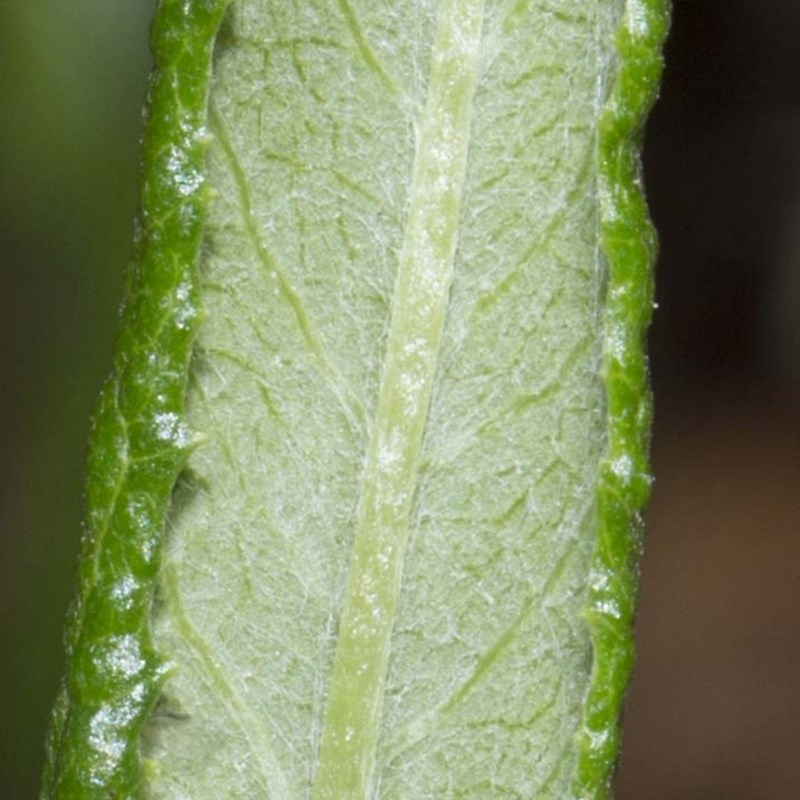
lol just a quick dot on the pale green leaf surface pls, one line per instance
(456, 506)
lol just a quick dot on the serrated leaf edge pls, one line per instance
(140, 440)
(628, 242)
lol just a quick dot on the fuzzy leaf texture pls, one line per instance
(365, 482)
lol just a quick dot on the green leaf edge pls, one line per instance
(629, 244)
(140, 441)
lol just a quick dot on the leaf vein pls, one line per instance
(347, 398)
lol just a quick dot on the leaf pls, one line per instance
(401, 562)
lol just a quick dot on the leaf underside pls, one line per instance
(395, 563)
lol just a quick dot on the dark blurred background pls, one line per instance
(714, 710)
(72, 78)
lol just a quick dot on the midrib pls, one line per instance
(351, 727)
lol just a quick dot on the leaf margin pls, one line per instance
(139, 440)
(629, 243)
